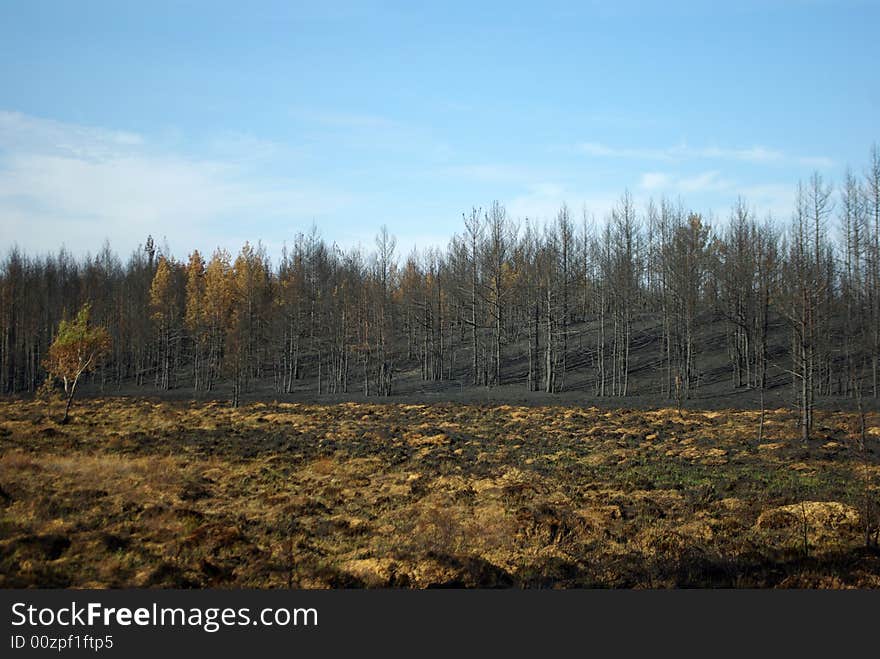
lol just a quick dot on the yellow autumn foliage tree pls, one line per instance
(77, 349)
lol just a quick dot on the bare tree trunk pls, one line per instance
(548, 352)
(66, 416)
(761, 423)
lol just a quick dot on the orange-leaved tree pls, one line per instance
(77, 349)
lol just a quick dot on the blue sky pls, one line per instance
(212, 123)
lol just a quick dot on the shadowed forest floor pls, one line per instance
(160, 493)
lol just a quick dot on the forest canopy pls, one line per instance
(503, 290)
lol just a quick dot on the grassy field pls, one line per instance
(146, 493)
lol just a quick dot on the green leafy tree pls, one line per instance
(77, 349)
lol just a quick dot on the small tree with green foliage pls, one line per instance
(77, 349)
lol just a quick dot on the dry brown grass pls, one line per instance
(149, 493)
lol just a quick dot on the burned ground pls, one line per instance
(159, 493)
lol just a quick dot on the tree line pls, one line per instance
(502, 292)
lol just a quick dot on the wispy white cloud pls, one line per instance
(710, 181)
(751, 154)
(683, 152)
(655, 181)
(65, 183)
(705, 182)
(20, 132)
(542, 201)
(774, 198)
